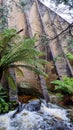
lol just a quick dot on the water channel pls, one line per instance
(51, 117)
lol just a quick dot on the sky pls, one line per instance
(61, 9)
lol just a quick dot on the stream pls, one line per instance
(36, 116)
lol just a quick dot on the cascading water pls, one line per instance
(46, 118)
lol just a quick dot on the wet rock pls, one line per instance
(70, 114)
(33, 105)
(50, 123)
(3, 128)
(54, 99)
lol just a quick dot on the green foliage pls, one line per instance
(70, 52)
(65, 85)
(5, 105)
(70, 56)
(60, 96)
(13, 49)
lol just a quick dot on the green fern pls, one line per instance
(70, 56)
(13, 49)
(65, 85)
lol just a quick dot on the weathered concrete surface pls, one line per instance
(35, 24)
(36, 28)
(55, 46)
(17, 19)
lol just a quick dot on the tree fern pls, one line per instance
(13, 49)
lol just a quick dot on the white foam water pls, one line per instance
(56, 112)
(47, 118)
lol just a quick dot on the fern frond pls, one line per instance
(70, 56)
(18, 71)
(32, 68)
(66, 85)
